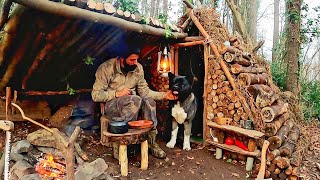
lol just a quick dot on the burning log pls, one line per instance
(276, 141)
(271, 129)
(272, 112)
(237, 68)
(289, 144)
(246, 79)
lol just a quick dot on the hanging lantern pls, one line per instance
(164, 62)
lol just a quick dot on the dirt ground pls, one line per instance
(199, 163)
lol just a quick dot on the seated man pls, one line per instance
(116, 83)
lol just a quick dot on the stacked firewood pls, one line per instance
(222, 101)
(105, 7)
(160, 84)
(278, 120)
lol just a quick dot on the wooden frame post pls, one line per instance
(205, 93)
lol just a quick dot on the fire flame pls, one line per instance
(47, 167)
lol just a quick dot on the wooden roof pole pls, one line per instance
(75, 12)
(4, 11)
(222, 64)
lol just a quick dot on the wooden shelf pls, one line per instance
(234, 149)
(249, 133)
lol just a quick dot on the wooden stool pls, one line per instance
(133, 136)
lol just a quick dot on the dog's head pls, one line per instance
(179, 86)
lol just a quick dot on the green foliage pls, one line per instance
(70, 90)
(310, 99)
(279, 74)
(89, 60)
(310, 28)
(128, 5)
(163, 18)
(168, 32)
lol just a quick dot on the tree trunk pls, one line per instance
(252, 19)
(276, 16)
(156, 11)
(152, 8)
(293, 45)
(165, 7)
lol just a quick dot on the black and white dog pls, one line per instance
(183, 111)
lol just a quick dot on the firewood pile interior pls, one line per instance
(44, 64)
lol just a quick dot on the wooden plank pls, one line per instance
(234, 149)
(205, 93)
(129, 133)
(246, 132)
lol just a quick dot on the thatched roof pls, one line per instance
(46, 44)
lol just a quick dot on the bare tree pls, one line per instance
(293, 45)
(165, 7)
(275, 28)
(152, 8)
(252, 20)
(157, 9)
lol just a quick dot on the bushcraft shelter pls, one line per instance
(51, 49)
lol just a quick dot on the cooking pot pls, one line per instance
(118, 127)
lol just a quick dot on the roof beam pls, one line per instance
(75, 12)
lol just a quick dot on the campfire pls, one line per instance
(47, 167)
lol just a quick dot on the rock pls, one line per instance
(21, 147)
(22, 168)
(31, 177)
(16, 157)
(42, 137)
(91, 170)
(46, 150)
(105, 176)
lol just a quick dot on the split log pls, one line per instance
(294, 170)
(271, 129)
(5, 9)
(109, 8)
(237, 68)
(283, 162)
(264, 100)
(293, 177)
(283, 176)
(257, 89)
(289, 144)
(127, 15)
(276, 141)
(245, 55)
(273, 176)
(288, 171)
(91, 4)
(229, 57)
(137, 17)
(272, 112)
(271, 167)
(273, 154)
(99, 7)
(277, 171)
(118, 13)
(246, 79)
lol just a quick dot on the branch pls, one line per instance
(188, 4)
(5, 9)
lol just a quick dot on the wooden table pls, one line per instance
(133, 136)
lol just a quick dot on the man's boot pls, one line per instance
(155, 149)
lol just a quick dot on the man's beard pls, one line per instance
(128, 67)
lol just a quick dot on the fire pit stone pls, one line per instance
(21, 147)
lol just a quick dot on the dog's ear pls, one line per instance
(171, 76)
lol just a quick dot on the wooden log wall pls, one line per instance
(161, 84)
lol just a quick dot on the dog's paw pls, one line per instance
(186, 147)
(171, 144)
